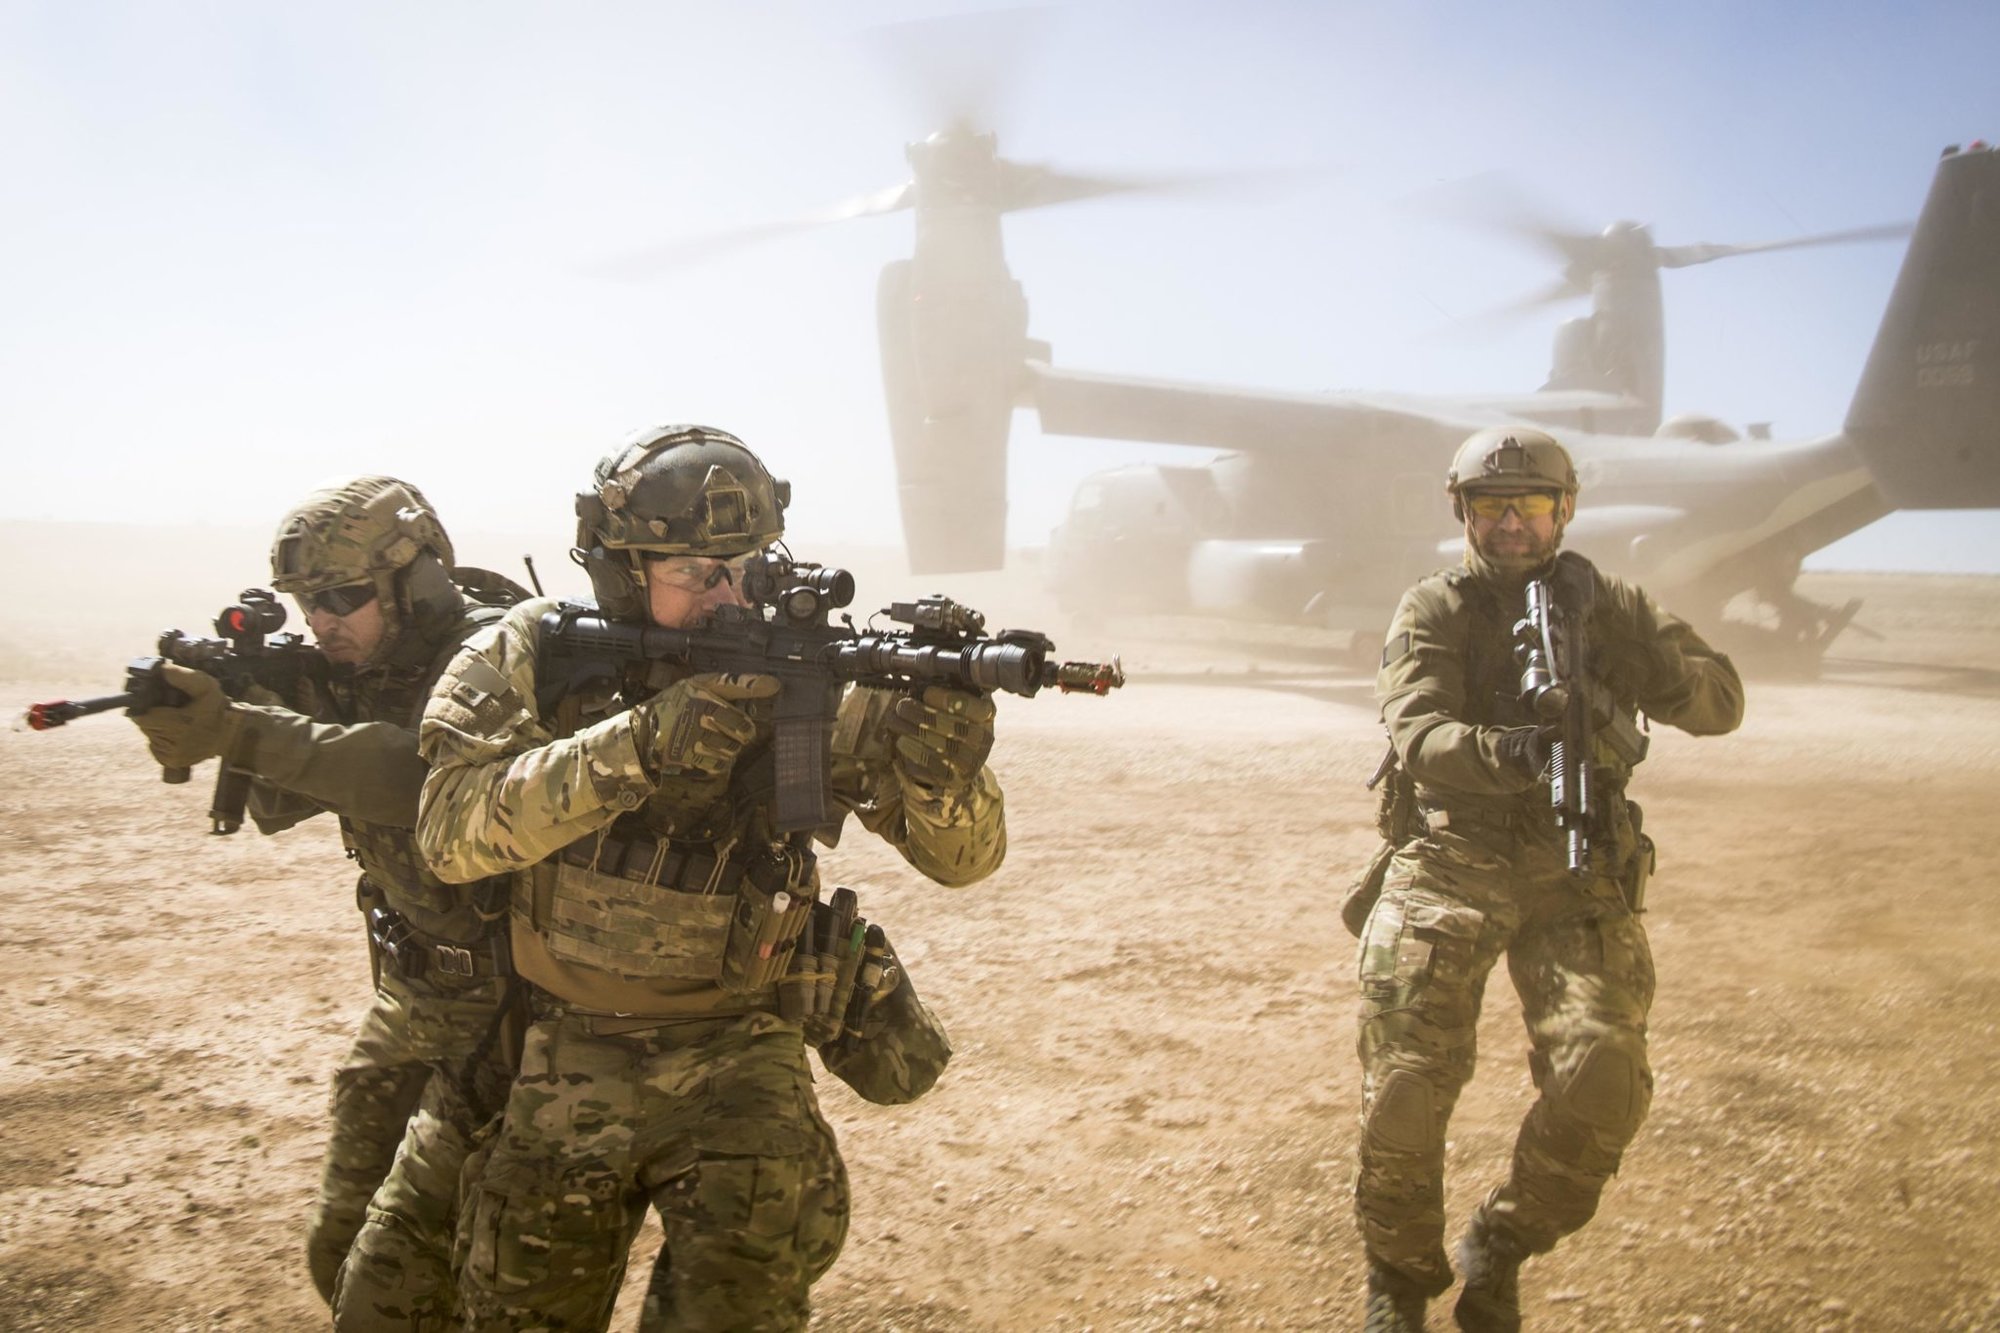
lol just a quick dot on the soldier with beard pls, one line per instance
(371, 569)
(1481, 871)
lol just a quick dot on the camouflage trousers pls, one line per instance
(412, 1027)
(713, 1122)
(400, 1271)
(1450, 907)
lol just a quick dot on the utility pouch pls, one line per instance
(1399, 821)
(821, 991)
(1638, 872)
(771, 913)
(1367, 887)
(894, 1047)
(874, 979)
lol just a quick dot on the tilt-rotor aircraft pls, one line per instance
(1324, 507)
(1321, 508)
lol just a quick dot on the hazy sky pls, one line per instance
(252, 245)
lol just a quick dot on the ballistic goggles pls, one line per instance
(696, 573)
(342, 601)
(1529, 504)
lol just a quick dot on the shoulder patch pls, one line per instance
(478, 681)
(1397, 647)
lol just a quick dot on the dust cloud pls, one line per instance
(1151, 1115)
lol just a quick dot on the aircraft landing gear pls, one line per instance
(1777, 629)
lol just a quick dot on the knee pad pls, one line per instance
(1609, 1091)
(1404, 1116)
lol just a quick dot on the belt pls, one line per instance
(1458, 816)
(413, 953)
(665, 1009)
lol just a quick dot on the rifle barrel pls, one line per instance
(48, 716)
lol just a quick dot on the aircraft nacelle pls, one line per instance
(1573, 365)
(952, 357)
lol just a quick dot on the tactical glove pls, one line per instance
(695, 726)
(942, 736)
(184, 734)
(1525, 750)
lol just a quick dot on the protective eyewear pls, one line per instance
(694, 573)
(1534, 504)
(341, 601)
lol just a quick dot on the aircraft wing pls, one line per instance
(1550, 403)
(1117, 407)
(1605, 525)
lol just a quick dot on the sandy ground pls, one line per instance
(1151, 1116)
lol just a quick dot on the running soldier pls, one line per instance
(1476, 867)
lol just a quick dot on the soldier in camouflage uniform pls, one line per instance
(371, 568)
(1482, 871)
(651, 1072)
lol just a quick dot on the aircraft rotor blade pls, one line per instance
(1683, 256)
(697, 249)
(1495, 201)
(1039, 187)
(1488, 323)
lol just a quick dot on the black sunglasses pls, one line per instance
(342, 601)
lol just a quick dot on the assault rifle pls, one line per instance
(250, 652)
(1575, 709)
(785, 632)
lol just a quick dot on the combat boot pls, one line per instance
(1395, 1303)
(1490, 1301)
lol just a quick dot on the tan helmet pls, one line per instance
(1509, 456)
(375, 530)
(678, 490)
(353, 531)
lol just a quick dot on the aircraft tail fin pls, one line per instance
(1926, 417)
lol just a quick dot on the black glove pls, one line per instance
(1525, 750)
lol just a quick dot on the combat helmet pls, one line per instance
(674, 490)
(361, 530)
(1512, 456)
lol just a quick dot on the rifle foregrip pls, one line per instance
(232, 794)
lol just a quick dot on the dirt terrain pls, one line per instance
(1150, 1120)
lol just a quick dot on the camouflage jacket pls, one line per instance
(349, 745)
(1449, 683)
(510, 786)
